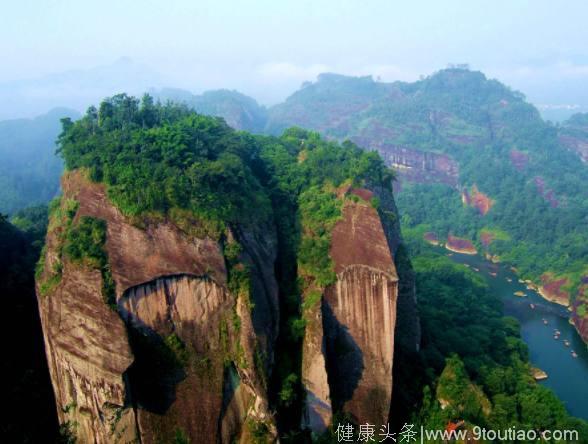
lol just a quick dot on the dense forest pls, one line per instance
(501, 145)
(165, 160)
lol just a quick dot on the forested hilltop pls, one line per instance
(476, 161)
(159, 192)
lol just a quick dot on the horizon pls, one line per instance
(565, 110)
(267, 50)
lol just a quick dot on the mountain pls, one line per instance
(475, 160)
(217, 284)
(75, 89)
(29, 168)
(239, 111)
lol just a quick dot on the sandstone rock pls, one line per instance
(353, 333)
(183, 355)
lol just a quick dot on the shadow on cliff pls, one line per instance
(155, 372)
(345, 362)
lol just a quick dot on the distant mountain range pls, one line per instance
(75, 89)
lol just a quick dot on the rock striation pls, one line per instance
(180, 353)
(349, 345)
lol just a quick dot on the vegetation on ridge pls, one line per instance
(497, 139)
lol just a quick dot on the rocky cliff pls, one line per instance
(181, 351)
(414, 165)
(348, 350)
(178, 250)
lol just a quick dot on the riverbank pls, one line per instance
(555, 346)
(549, 289)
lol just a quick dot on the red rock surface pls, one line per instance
(415, 165)
(551, 289)
(166, 282)
(351, 338)
(460, 245)
(359, 238)
(137, 255)
(581, 322)
(87, 352)
(547, 194)
(363, 303)
(477, 199)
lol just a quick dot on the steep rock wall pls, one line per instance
(415, 165)
(88, 354)
(176, 316)
(352, 331)
(191, 320)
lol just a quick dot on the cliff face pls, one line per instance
(180, 354)
(349, 341)
(414, 165)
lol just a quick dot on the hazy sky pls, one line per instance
(266, 48)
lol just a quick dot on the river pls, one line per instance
(568, 376)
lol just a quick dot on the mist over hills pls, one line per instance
(367, 111)
(556, 97)
(29, 168)
(475, 163)
(75, 89)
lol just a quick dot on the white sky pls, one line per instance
(266, 48)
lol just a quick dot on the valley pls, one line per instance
(539, 320)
